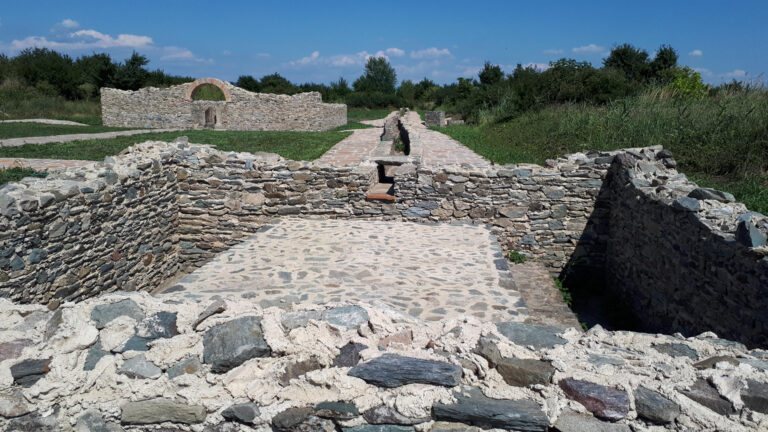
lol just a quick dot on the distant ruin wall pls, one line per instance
(174, 107)
(685, 259)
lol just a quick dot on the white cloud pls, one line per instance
(69, 23)
(696, 53)
(703, 71)
(554, 51)
(540, 67)
(344, 60)
(589, 49)
(736, 73)
(174, 53)
(470, 71)
(394, 52)
(101, 40)
(309, 59)
(430, 53)
(65, 39)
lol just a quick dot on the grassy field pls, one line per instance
(291, 145)
(18, 102)
(720, 141)
(357, 114)
(17, 130)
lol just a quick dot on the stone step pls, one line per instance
(381, 191)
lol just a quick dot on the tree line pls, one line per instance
(627, 70)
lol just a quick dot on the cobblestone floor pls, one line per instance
(429, 271)
(354, 148)
(42, 164)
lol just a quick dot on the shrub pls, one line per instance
(687, 84)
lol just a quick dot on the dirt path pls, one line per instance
(15, 142)
(45, 121)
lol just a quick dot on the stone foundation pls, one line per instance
(174, 107)
(133, 221)
(134, 363)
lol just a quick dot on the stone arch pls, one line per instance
(193, 86)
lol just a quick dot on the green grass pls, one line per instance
(720, 141)
(17, 130)
(17, 173)
(291, 145)
(352, 125)
(357, 114)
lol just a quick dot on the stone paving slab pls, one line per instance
(354, 148)
(15, 142)
(45, 121)
(42, 164)
(431, 271)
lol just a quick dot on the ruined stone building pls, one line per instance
(176, 107)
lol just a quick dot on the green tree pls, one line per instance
(663, 66)
(632, 61)
(490, 74)
(248, 82)
(131, 75)
(407, 91)
(277, 84)
(48, 70)
(379, 77)
(97, 70)
(339, 89)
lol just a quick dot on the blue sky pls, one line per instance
(319, 41)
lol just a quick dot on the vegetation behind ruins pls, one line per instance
(718, 134)
(720, 140)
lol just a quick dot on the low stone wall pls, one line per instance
(89, 230)
(547, 212)
(684, 258)
(135, 363)
(173, 107)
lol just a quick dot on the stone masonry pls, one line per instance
(135, 363)
(64, 238)
(175, 107)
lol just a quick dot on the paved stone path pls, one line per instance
(438, 149)
(430, 271)
(15, 142)
(45, 121)
(42, 164)
(354, 148)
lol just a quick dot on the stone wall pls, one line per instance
(65, 237)
(174, 107)
(136, 363)
(434, 118)
(93, 229)
(684, 258)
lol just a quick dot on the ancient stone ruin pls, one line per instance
(85, 346)
(176, 107)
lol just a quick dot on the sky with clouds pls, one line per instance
(311, 41)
